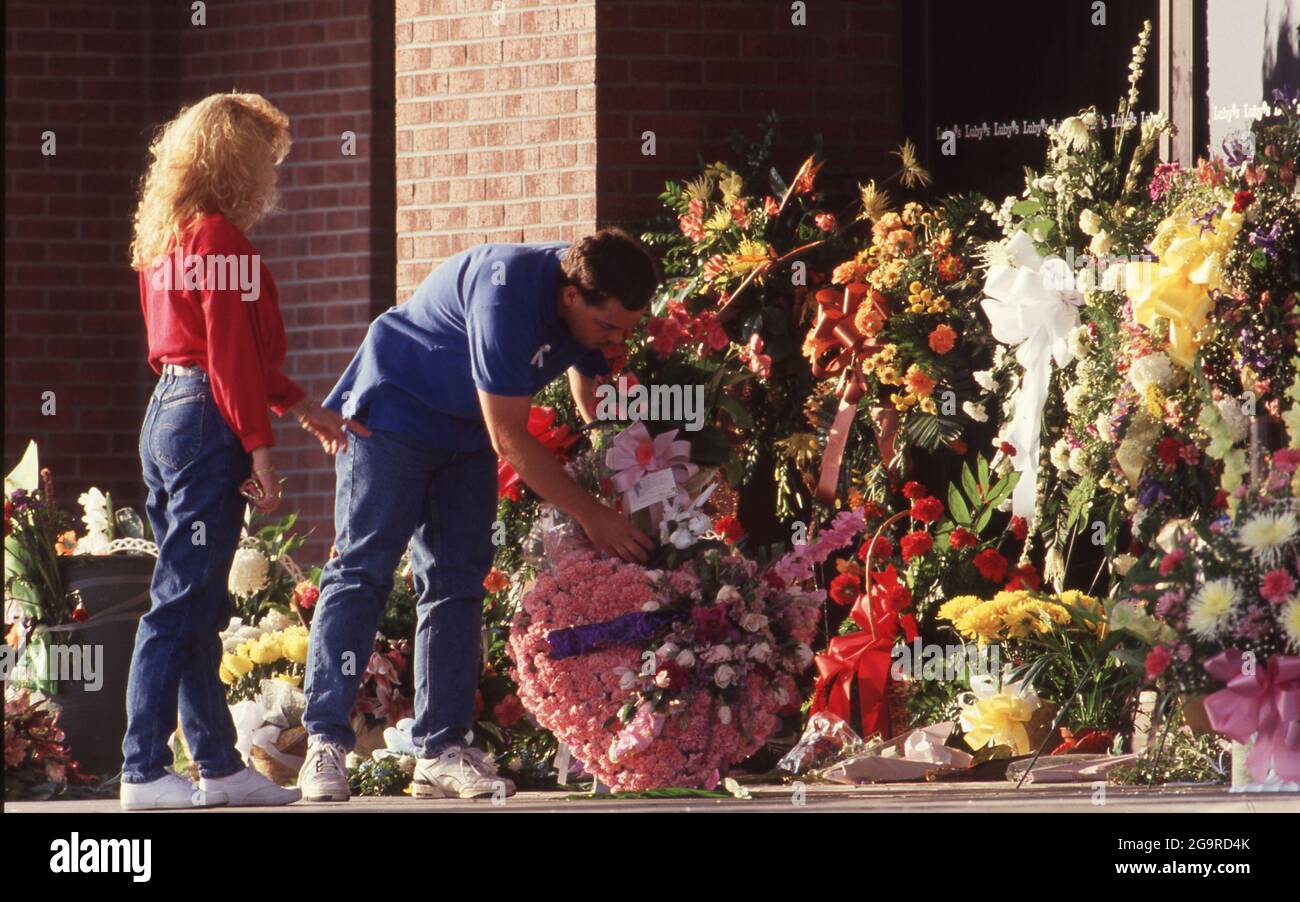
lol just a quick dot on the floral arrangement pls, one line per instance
(37, 763)
(1061, 644)
(892, 337)
(276, 648)
(1077, 384)
(668, 674)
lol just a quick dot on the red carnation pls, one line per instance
(991, 565)
(80, 614)
(927, 510)
(1019, 528)
(915, 544)
(508, 711)
(1007, 448)
(880, 547)
(913, 490)
(1024, 577)
(1167, 449)
(845, 588)
(1242, 199)
(958, 447)
(962, 538)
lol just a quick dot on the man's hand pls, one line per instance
(326, 425)
(507, 423)
(610, 531)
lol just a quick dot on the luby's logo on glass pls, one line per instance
(102, 856)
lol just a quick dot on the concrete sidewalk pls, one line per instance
(945, 798)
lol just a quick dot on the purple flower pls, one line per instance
(1152, 494)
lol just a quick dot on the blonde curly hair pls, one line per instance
(217, 156)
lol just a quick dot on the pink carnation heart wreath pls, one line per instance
(578, 698)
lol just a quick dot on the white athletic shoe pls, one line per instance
(458, 772)
(169, 791)
(248, 788)
(324, 777)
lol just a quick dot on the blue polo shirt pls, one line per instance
(483, 319)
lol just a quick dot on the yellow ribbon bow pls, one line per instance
(1177, 287)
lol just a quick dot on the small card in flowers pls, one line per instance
(652, 488)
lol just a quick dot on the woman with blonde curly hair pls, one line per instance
(217, 341)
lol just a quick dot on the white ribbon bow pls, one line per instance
(1030, 303)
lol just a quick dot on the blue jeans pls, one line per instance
(193, 466)
(393, 490)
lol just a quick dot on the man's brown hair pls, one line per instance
(611, 264)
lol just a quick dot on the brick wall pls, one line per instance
(103, 78)
(496, 137)
(693, 71)
(330, 244)
(95, 75)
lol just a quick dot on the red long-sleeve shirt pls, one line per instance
(196, 315)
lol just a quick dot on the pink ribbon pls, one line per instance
(634, 453)
(1264, 704)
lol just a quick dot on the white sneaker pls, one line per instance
(248, 788)
(458, 772)
(324, 777)
(169, 791)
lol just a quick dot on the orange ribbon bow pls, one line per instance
(839, 349)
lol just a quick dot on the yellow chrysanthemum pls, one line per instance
(236, 666)
(266, 649)
(294, 644)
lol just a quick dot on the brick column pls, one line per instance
(496, 126)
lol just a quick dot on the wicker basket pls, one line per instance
(282, 765)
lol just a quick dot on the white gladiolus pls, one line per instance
(975, 411)
(1089, 223)
(96, 515)
(724, 676)
(984, 379)
(1100, 244)
(1074, 132)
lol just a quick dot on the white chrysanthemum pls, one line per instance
(1266, 534)
(1101, 244)
(1123, 563)
(1103, 426)
(1212, 607)
(249, 573)
(1235, 421)
(96, 516)
(1151, 369)
(275, 620)
(1073, 398)
(1078, 462)
(1289, 617)
(1078, 337)
(1061, 455)
(975, 411)
(984, 379)
(1089, 222)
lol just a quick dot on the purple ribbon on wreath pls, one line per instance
(625, 630)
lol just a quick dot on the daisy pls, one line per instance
(1212, 607)
(1265, 535)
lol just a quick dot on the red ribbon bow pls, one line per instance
(863, 656)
